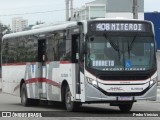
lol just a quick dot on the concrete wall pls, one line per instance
(124, 14)
(97, 12)
(123, 5)
(123, 8)
(114, 8)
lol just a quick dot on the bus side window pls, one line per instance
(5, 55)
(41, 50)
(51, 48)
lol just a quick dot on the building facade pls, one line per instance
(109, 9)
(19, 24)
(91, 10)
(124, 8)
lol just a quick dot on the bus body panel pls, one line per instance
(101, 93)
(48, 87)
(44, 78)
(11, 75)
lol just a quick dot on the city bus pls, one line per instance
(93, 61)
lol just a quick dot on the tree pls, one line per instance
(39, 22)
(4, 29)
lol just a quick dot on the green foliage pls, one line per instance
(4, 29)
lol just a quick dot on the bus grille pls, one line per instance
(102, 77)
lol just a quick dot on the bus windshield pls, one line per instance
(120, 53)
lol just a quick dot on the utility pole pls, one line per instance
(67, 10)
(135, 9)
(71, 9)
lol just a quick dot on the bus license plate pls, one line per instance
(125, 98)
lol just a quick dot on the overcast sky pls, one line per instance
(52, 10)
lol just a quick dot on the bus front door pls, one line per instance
(75, 59)
(42, 68)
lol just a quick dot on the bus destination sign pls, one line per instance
(123, 27)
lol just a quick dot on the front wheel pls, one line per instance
(125, 107)
(24, 100)
(70, 105)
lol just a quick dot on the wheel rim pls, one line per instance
(68, 101)
(68, 98)
(23, 98)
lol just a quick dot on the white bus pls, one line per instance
(97, 61)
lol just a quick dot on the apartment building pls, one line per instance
(18, 24)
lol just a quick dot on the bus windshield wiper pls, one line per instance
(116, 47)
(131, 44)
(113, 44)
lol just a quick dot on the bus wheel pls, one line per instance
(125, 107)
(70, 105)
(34, 102)
(24, 100)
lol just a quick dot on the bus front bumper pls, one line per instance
(96, 96)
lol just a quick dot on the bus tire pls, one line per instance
(24, 99)
(34, 102)
(125, 107)
(70, 105)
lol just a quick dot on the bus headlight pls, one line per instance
(153, 81)
(92, 81)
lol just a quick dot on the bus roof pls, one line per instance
(41, 30)
(55, 27)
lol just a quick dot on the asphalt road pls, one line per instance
(12, 103)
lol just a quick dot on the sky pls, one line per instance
(48, 10)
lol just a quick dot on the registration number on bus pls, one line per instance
(125, 98)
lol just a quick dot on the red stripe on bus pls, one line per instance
(64, 62)
(24, 63)
(35, 80)
(13, 64)
(48, 62)
(16, 64)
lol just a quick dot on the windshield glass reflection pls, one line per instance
(112, 53)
